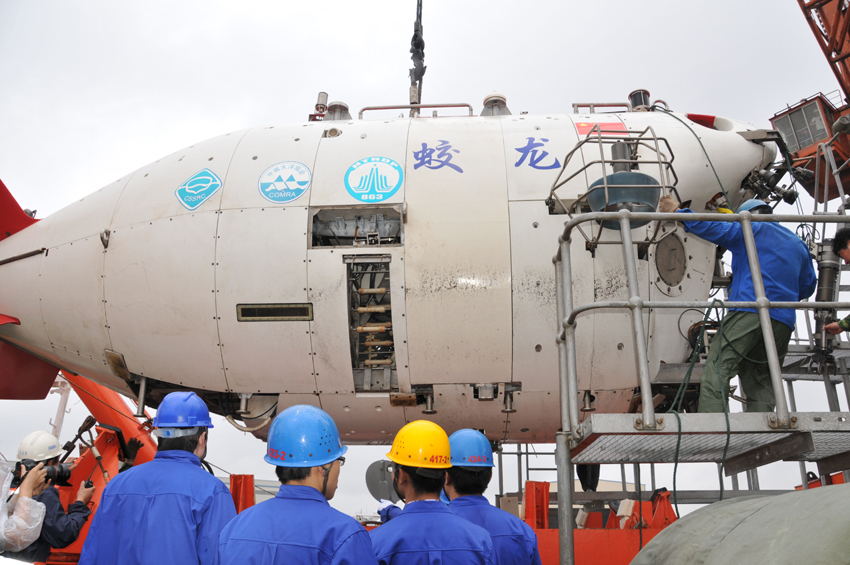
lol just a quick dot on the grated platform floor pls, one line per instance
(613, 438)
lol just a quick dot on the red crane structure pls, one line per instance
(816, 139)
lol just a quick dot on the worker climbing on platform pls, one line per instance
(426, 531)
(841, 247)
(788, 275)
(472, 469)
(169, 510)
(60, 528)
(298, 525)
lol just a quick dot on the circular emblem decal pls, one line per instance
(373, 179)
(285, 181)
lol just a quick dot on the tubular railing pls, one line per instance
(646, 139)
(567, 315)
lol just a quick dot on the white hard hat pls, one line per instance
(39, 446)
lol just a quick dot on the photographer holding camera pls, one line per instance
(60, 529)
(20, 516)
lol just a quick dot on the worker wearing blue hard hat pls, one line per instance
(739, 348)
(426, 531)
(470, 474)
(298, 525)
(169, 510)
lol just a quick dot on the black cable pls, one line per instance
(640, 502)
(676, 405)
(78, 387)
(704, 150)
(679, 323)
(729, 343)
(417, 50)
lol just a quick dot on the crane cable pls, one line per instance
(417, 50)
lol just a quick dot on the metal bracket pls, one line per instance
(574, 439)
(429, 404)
(789, 446)
(774, 423)
(659, 424)
(117, 365)
(143, 390)
(761, 135)
(487, 391)
(402, 399)
(243, 403)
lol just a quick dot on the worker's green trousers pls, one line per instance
(743, 331)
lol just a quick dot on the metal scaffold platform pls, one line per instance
(753, 441)
(739, 441)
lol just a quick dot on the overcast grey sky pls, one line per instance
(90, 91)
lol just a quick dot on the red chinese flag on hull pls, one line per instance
(585, 128)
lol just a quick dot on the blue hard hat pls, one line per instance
(754, 204)
(470, 448)
(182, 410)
(303, 436)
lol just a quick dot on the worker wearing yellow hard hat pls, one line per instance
(426, 530)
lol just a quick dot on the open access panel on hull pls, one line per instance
(370, 322)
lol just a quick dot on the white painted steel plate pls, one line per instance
(197, 172)
(458, 255)
(261, 258)
(72, 303)
(251, 180)
(161, 306)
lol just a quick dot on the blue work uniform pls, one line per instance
(59, 529)
(788, 274)
(169, 510)
(391, 511)
(514, 540)
(428, 533)
(784, 261)
(296, 526)
(388, 513)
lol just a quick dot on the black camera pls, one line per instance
(57, 474)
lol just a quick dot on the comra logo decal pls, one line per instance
(284, 182)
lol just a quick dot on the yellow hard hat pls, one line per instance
(421, 444)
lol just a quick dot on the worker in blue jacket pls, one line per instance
(298, 525)
(786, 268)
(427, 532)
(169, 510)
(470, 474)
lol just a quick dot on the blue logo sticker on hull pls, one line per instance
(198, 188)
(284, 182)
(373, 179)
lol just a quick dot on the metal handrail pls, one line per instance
(636, 304)
(703, 305)
(592, 106)
(415, 107)
(667, 177)
(567, 314)
(824, 150)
